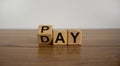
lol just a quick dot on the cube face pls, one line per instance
(60, 37)
(45, 39)
(45, 29)
(74, 37)
(45, 34)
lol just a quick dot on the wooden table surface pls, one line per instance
(101, 47)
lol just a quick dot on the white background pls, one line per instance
(82, 14)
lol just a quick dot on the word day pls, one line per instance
(47, 35)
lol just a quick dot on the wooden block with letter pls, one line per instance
(60, 37)
(74, 37)
(44, 34)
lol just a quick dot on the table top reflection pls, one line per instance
(101, 47)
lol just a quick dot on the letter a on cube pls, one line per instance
(60, 37)
(44, 34)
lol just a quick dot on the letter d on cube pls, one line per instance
(44, 34)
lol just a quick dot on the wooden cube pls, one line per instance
(44, 34)
(60, 37)
(74, 37)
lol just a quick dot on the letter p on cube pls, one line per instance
(44, 34)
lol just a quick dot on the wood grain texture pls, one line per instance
(101, 47)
